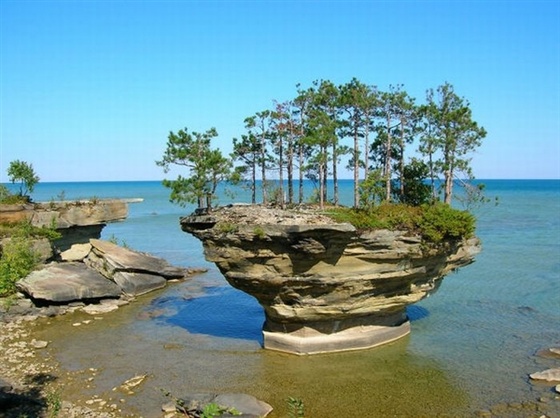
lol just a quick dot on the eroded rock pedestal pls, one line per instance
(324, 286)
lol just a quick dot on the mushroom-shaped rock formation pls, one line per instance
(324, 286)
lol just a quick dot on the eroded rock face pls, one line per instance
(76, 221)
(324, 286)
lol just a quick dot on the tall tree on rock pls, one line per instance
(248, 151)
(258, 126)
(207, 167)
(453, 133)
(358, 102)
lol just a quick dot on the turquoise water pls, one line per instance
(477, 335)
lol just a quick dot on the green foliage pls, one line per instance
(259, 232)
(17, 258)
(8, 198)
(22, 172)
(441, 221)
(207, 167)
(371, 190)
(17, 261)
(26, 230)
(415, 191)
(434, 222)
(227, 227)
(54, 403)
(449, 136)
(296, 408)
(114, 240)
(212, 410)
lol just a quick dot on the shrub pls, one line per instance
(17, 261)
(26, 230)
(259, 232)
(8, 198)
(434, 222)
(441, 221)
(17, 257)
(227, 227)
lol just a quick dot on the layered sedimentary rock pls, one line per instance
(99, 270)
(324, 286)
(77, 221)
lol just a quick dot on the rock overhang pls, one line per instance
(311, 272)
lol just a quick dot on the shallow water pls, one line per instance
(472, 344)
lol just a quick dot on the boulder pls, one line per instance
(243, 403)
(115, 258)
(325, 286)
(76, 252)
(65, 282)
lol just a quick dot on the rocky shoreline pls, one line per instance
(33, 383)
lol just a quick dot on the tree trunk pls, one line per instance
(280, 196)
(290, 169)
(301, 159)
(356, 169)
(388, 161)
(263, 171)
(448, 186)
(402, 160)
(254, 181)
(335, 174)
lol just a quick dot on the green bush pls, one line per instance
(7, 198)
(434, 222)
(25, 229)
(441, 221)
(18, 259)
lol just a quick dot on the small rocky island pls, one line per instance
(324, 286)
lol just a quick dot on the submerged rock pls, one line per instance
(550, 375)
(229, 404)
(325, 286)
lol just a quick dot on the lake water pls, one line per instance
(472, 345)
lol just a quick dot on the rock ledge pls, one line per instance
(324, 286)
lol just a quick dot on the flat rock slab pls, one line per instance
(123, 259)
(550, 375)
(135, 284)
(67, 282)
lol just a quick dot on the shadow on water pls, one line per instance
(415, 312)
(220, 312)
(225, 312)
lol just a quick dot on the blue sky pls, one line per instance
(91, 89)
